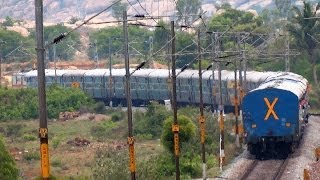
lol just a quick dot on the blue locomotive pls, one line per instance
(274, 114)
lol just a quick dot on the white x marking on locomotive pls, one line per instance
(271, 108)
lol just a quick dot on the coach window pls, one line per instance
(155, 86)
(133, 86)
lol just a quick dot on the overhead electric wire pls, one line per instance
(132, 6)
(153, 54)
(13, 51)
(313, 38)
(109, 22)
(145, 25)
(158, 17)
(147, 12)
(203, 21)
(177, 8)
(64, 35)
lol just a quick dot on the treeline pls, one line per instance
(23, 103)
(143, 42)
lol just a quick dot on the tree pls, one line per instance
(283, 6)
(185, 44)
(187, 9)
(15, 47)
(23, 103)
(8, 21)
(270, 19)
(161, 35)
(305, 31)
(102, 37)
(137, 36)
(236, 19)
(117, 10)
(151, 122)
(8, 168)
(67, 47)
(73, 20)
(186, 133)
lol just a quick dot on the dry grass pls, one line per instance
(68, 160)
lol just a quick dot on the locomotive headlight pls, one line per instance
(253, 125)
(288, 124)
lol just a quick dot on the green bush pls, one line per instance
(14, 130)
(111, 164)
(143, 136)
(191, 165)
(103, 130)
(23, 103)
(18, 103)
(100, 108)
(31, 156)
(56, 142)
(8, 169)
(65, 99)
(155, 167)
(164, 163)
(29, 137)
(187, 130)
(314, 99)
(117, 116)
(151, 122)
(56, 163)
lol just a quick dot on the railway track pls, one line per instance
(266, 169)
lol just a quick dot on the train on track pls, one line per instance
(147, 85)
(274, 109)
(275, 113)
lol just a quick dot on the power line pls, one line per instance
(147, 12)
(132, 6)
(64, 35)
(109, 22)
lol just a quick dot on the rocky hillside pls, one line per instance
(56, 11)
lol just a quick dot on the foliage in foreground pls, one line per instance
(110, 164)
(23, 103)
(187, 131)
(161, 164)
(149, 124)
(8, 168)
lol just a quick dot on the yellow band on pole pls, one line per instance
(221, 121)
(202, 121)
(132, 164)
(176, 144)
(203, 132)
(44, 160)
